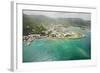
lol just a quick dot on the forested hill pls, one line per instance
(40, 22)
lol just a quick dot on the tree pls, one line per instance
(49, 32)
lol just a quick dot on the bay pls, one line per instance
(41, 50)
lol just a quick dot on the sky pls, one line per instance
(85, 16)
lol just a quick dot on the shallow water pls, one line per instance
(57, 49)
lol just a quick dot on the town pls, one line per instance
(55, 32)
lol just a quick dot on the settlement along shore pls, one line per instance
(72, 35)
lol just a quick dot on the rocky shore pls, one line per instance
(71, 35)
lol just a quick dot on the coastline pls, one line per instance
(32, 37)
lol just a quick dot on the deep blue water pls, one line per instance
(57, 49)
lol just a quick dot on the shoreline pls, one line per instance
(30, 38)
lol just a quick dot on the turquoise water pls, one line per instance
(57, 49)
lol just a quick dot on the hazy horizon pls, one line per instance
(85, 16)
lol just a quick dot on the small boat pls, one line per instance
(28, 43)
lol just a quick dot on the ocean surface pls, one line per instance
(41, 50)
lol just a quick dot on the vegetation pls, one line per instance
(32, 27)
(39, 24)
